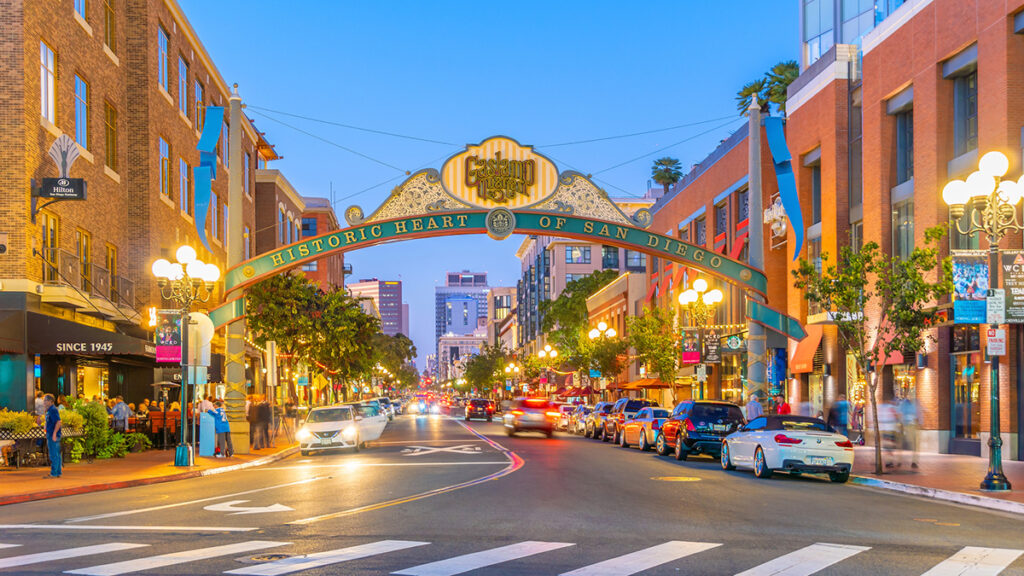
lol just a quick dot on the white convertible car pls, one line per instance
(787, 443)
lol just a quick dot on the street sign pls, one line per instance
(996, 307)
(996, 342)
(702, 372)
(1013, 282)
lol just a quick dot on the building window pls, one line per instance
(165, 168)
(721, 218)
(83, 249)
(742, 206)
(246, 250)
(309, 226)
(282, 227)
(225, 135)
(163, 59)
(574, 277)
(290, 233)
(183, 86)
(858, 19)
(815, 194)
(857, 235)
(246, 184)
(856, 152)
(904, 146)
(111, 264)
(635, 259)
(184, 186)
(224, 221)
(47, 85)
(960, 241)
(818, 33)
(109, 26)
(81, 112)
(214, 220)
(700, 233)
(903, 229)
(577, 254)
(110, 135)
(965, 113)
(200, 107)
(310, 266)
(80, 8)
(609, 257)
(51, 242)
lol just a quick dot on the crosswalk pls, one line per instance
(967, 561)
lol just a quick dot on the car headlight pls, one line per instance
(304, 435)
(349, 433)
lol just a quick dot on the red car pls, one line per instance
(642, 429)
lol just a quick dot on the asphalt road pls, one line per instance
(436, 497)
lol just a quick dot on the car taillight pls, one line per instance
(689, 425)
(783, 439)
(552, 414)
(517, 412)
(845, 444)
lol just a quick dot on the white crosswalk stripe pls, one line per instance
(643, 559)
(467, 562)
(308, 561)
(2, 545)
(163, 560)
(805, 561)
(40, 557)
(975, 561)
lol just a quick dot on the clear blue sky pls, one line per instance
(458, 72)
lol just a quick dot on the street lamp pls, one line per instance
(184, 282)
(602, 330)
(995, 201)
(700, 303)
(548, 352)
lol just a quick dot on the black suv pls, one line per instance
(698, 427)
(479, 408)
(622, 409)
(595, 420)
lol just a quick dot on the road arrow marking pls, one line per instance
(230, 507)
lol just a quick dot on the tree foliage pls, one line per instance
(771, 88)
(565, 318)
(282, 308)
(343, 336)
(901, 293)
(487, 366)
(655, 342)
(666, 171)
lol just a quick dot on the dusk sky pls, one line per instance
(544, 73)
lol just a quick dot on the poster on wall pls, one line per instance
(691, 346)
(1013, 284)
(168, 336)
(712, 347)
(970, 286)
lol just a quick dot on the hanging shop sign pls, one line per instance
(62, 188)
(691, 346)
(712, 346)
(970, 286)
(1013, 284)
(168, 336)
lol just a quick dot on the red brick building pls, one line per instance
(319, 218)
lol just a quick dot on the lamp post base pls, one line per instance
(995, 481)
(183, 455)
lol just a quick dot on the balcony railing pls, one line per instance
(61, 268)
(99, 281)
(125, 294)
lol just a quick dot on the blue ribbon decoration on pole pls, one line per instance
(787, 183)
(206, 172)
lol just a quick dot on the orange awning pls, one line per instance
(803, 358)
(895, 357)
(648, 384)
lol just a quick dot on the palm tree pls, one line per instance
(666, 172)
(757, 88)
(779, 78)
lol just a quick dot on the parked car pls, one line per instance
(698, 427)
(371, 419)
(594, 423)
(399, 405)
(535, 414)
(622, 409)
(788, 443)
(330, 427)
(479, 408)
(643, 428)
(577, 418)
(386, 407)
(564, 410)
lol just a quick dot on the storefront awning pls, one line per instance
(51, 335)
(895, 357)
(802, 361)
(648, 384)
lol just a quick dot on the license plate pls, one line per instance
(820, 460)
(720, 427)
(325, 441)
(532, 417)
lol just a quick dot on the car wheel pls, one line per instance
(510, 432)
(839, 477)
(761, 469)
(304, 452)
(549, 433)
(586, 431)
(660, 446)
(622, 440)
(644, 446)
(681, 451)
(356, 448)
(488, 418)
(604, 434)
(725, 459)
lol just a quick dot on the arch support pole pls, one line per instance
(756, 340)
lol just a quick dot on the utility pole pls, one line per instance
(756, 342)
(235, 370)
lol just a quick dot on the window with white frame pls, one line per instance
(577, 254)
(200, 114)
(184, 186)
(80, 8)
(47, 82)
(163, 59)
(214, 213)
(183, 86)
(165, 168)
(81, 112)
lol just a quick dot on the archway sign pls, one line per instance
(498, 188)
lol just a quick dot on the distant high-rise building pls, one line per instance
(387, 295)
(405, 318)
(454, 313)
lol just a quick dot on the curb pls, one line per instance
(47, 494)
(939, 494)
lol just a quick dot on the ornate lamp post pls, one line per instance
(995, 201)
(602, 331)
(547, 356)
(512, 371)
(700, 304)
(186, 281)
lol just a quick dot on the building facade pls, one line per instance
(319, 218)
(454, 350)
(460, 306)
(387, 298)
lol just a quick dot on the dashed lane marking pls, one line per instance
(676, 478)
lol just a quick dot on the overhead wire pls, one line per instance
(644, 133)
(350, 126)
(673, 145)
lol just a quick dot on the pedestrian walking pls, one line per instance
(909, 420)
(263, 415)
(781, 406)
(250, 417)
(753, 407)
(39, 407)
(53, 426)
(222, 429)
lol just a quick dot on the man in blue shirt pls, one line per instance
(121, 414)
(222, 429)
(53, 426)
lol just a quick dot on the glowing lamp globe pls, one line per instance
(176, 272)
(554, 353)
(980, 184)
(602, 326)
(594, 333)
(547, 347)
(212, 273)
(185, 254)
(956, 193)
(700, 284)
(611, 333)
(196, 270)
(542, 354)
(994, 164)
(161, 268)
(1009, 192)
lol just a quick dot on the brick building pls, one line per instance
(129, 82)
(319, 218)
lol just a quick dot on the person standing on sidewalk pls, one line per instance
(753, 407)
(263, 415)
(222, 429)
(53, 426)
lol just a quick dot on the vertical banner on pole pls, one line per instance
(1013, 284)
(970, 286)
(168, 336)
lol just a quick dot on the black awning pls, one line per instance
(50, 335)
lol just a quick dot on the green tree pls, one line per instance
(769, 88)
(342, 336)
(282, 308)
(655, 342)
(565, 319)
(756, 89)
(901, 294)
(393, 352)
(666, 171)
(487, 366)
(608, 355)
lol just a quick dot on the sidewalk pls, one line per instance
(945, 477)
(150, 467)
